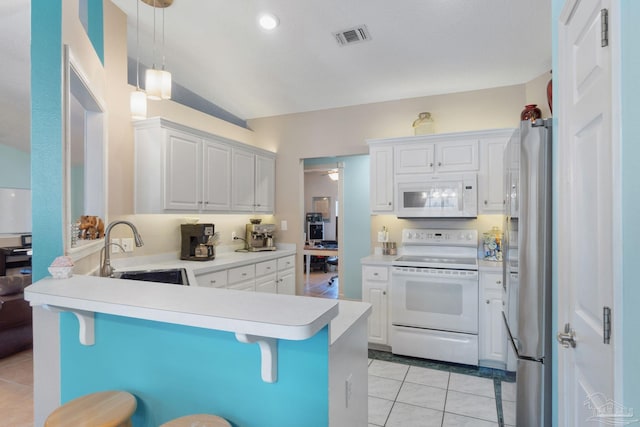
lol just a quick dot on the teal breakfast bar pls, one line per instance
(254, 359)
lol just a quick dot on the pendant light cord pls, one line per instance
(163, 57)
(154, 34)
(137, 45)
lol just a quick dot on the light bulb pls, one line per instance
(138, 105)
(268, 21)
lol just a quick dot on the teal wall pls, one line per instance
(15, 166)
(630, 93)
(46, 133)
(46, 125)
(357, 223)
(175, 370)
(356, 241)
(96, 27)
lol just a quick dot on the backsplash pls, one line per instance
(394, 225)
(161, 233)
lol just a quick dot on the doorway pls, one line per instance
(353, 217)
(322, 194)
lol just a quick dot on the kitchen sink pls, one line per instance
(173, 276)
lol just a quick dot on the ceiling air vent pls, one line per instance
(352, 35)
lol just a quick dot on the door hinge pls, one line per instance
(604, 26)
(606, 325)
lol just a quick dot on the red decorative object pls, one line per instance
(531, 112)
(550, 95)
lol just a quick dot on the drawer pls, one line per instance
(248, 285)
(266, 267)
(286, 262)
(376, 273)
(240, 274)
(217, 279)
(267, 284)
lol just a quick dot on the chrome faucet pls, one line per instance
(105, 269)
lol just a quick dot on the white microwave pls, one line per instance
(437, 196)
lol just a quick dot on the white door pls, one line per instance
(587, 215)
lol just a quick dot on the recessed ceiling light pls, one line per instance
(268, 21)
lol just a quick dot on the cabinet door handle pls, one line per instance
(486, 202)
(384, 292)
(498, 282)
(213, 282)
(488, 302)
(430, 165)
(389, 203)
(375, 274)
(244, 274)
(439, 163)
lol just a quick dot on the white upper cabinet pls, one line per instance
(217, 176)
(265, 183)
(179, 169)
(253, 183)
(422, 156)
(243, 182)
(414, 158)
(478, 152)
(491, 176)
(183, 184)
(381, 176)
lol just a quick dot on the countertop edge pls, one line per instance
(72, 295)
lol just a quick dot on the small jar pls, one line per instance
(423, 125)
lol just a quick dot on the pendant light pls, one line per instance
(138, 99)
(158, 82)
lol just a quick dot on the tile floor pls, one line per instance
(16, 390)
(410, 392)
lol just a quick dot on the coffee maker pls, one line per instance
(197, 242)
(259, 237)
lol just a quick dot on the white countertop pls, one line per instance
(268, 315)
(224, 260)
(350, 313)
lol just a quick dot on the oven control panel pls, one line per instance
(430, 236)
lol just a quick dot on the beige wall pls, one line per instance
(536, 93)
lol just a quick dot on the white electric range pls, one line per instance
(434, 296)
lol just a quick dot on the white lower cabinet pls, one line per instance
(266, 276)
(217, 279)
(287, 275)
(492, 337)
(273, 276)
(375, 291)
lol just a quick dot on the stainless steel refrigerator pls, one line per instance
(527, 269)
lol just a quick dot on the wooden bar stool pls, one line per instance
(102, 409)
(199, 420)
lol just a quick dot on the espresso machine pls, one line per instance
(197, 242)
(259, 237)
